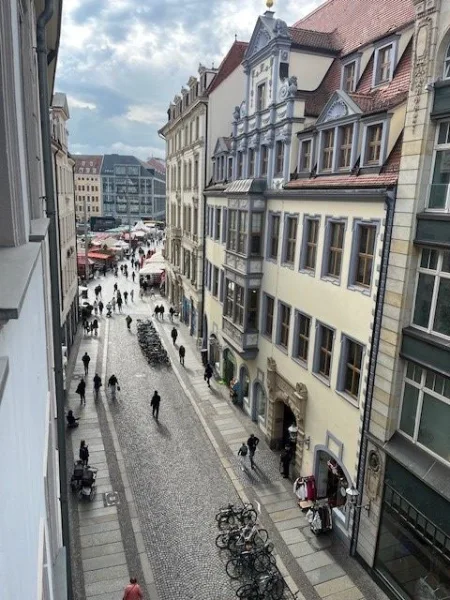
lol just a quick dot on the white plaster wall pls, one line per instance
(23, 416)
(310, 69)
(222, 100)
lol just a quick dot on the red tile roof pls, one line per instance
(231, 61)
(355, 23)
(344, 181)
(314, 39)
(155, 163)
(83, 161)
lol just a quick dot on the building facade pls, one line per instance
(88, 187)
(185, 134)
(32, 552)
(63, 171)
(131, 191)
(403, 533)
(299, 215)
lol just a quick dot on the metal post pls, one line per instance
(86, 243)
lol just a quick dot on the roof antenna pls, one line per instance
(235, 37)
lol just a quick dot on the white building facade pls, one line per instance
(32, 554)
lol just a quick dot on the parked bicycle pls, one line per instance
(233, 515)
(251, 562)
(249, 536)
(266, 587)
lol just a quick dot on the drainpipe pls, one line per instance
(205, 183)
(379, 304)
(42, 59)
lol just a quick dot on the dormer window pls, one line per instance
(383, 64)
(305, 155)
(374, 138)
(328, 150)
(345, 146)
(261, 96)
(349, 77)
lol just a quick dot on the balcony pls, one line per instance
(176, 233)
(245, 343)
(244, 264)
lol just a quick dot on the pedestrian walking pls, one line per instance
(104, 270)
(126, 273)
(132, 591)
(252, 443)
(125, 297)
(129, 320)
(113, 303)
(156, 311)
(97, 292)
(242, 453)
(86, 360)
(174, 335)
(133, 275)
(116, 272)
(81, 391)
(132, 296)
(84, 453)
(100, 308)
(97, 385)
(119, 303)
(94, 327)
(100, 290)
(115, 287)
(171, 313)
(285, 460)
(208, 374)
(182, 353)
(161, 312)
(156, 399)
(113, 383)
(95, 305)
(121, 269)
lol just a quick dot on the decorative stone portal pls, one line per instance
(286, 407)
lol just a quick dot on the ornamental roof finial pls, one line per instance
(269, 4)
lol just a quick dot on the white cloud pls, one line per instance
(142, 113)
(78, 103)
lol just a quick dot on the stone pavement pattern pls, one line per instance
(175, 475)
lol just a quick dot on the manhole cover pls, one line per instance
(111, 499)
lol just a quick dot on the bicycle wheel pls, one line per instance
(275, 587)
(233, 539)
(260, 539)
(234, 568)
(227, 521)
(249, 516)
(222, 541)
(248, 592)
(262, 563)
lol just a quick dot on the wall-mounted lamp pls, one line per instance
(293, 431)
(352, 498)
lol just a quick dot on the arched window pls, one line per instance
(447, 64)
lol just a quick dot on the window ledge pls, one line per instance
(348, 398)
(39, 228)
(330, 279)
(269, 259)
(288, 265)
(310, 272)
(16, 268)
(266, 337)
(4, 371)
(282, 349)
(302, 363)
(361, 290)
(322, 379)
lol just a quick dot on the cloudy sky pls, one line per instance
(122, 61)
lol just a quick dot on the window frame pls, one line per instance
(307, 219)
(352, 283)
(348, 146)
(251, 163)
(422, 390)
(217, 222)
(272, 216)
(264, 160)
(261, 101)
(282, 327)
(379, 47)
(346, 341)
(446, 72)
(301, 156)
(263, 329)
(320, 326)
(288, 241)
(331, 150)
(345, 65)
(279, 158)
(438, 148)
(325, 274)
(384, 122)
(298, 315)
(215, 282)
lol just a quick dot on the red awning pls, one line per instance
(100, 256)
(81, 259)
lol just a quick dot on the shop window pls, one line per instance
(425, 412)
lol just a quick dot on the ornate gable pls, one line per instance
(339, 106)
(221, 146)
(267, 28)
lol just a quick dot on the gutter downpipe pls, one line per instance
(379, 305)
(205, 183)
(42, 61)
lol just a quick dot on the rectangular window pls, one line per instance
(383, 62)
(335, 249)
(305, 156)
(269, 309)
(229, 298)
(239, 305)
(221, 291)
(366, 248)
(274, 238)
(311, 236)
(251, 162)
(327, 150)
(325, 351)
(232, 229)
(302, 337)
(230, 169)
(374, 138)
(352, 357)
(215, 282)
(264, 160)
(349, 77)
(224, 225)
(432, 300)
(279, 158)
(425, 412)
(217, 224)
(345, 146)
(290, 240)
(439, 189)
(256, 233)
(243, 230)
(252, 309)
(240, 165)
(284, 323)
(261, 96)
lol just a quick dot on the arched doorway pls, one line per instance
(332, 478)
(229, 366)
(244, 387)
(259, 404)
(283, 419)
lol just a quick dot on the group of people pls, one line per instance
(113, 383)
(249, 449)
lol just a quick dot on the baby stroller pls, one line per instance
(77, 476)
(88, 487)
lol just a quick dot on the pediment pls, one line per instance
(266, 29)
(339, 106)
(220, 147)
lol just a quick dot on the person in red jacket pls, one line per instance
(132, 591)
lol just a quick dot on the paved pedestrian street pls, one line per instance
(160, 483)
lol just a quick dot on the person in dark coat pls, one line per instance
(94, 326)
(156, 399)
(182, 353)
(208, 374)
(81, 391)
(84, 452)
(174, 335)
(119, 303)
(252, 443)
(129, 320)
(86, 360)
(285, 460)
(100, 307)
(72, 421)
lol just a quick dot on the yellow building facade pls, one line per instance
(88, 187)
